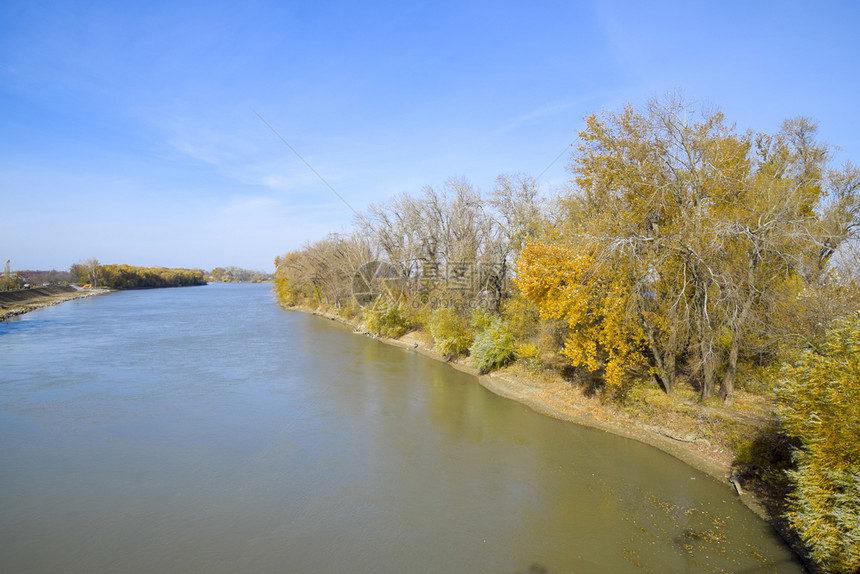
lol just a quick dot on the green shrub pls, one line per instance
(387, 318)
(494, 347)
(522, 316)
(825, 507)
(527, 352)
(419, 316)
(820, 405)
(481, 319)
(450, 331)
(767, 453)
(348, 311)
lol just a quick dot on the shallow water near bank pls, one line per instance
(204, 429)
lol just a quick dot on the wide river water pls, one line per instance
(204, 429)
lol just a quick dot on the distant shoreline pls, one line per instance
(21, 301)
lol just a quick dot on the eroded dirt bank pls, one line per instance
(20, 301)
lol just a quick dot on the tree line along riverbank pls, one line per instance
(695, 283)
(97, 278)
(123, 276)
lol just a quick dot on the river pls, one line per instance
(204, 429)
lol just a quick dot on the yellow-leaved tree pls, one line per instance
(563, 284)
(687, 238)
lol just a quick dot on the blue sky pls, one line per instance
(129, 131)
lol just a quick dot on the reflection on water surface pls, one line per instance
(204, 429)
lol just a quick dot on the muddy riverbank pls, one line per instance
(20, 301)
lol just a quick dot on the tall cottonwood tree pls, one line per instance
(90, 271)
(397, 229)
(696, 233)
(443, 232)
(516, 214)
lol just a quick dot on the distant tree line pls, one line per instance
(18, 279)
(122, 276)
(682, 254)
(45, 277)
(450, 247)
(238, 275)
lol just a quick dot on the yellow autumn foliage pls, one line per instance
(595, 302)
(820, 404)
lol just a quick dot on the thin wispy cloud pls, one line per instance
(539, 114)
